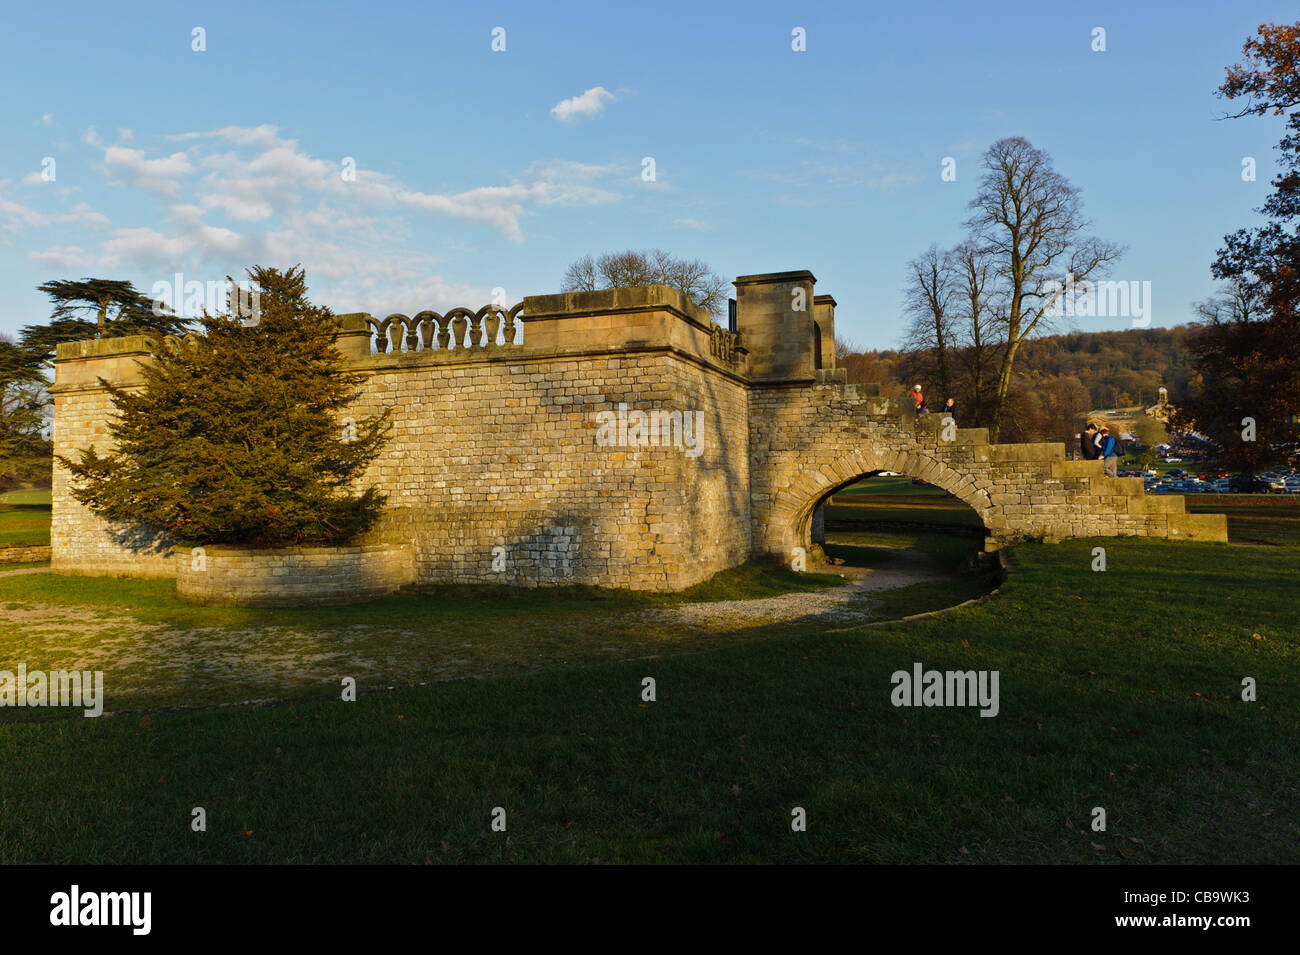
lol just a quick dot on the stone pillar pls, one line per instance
(824, 316)
(353, 340)
(774, 315)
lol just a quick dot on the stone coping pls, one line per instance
(637, 299)
(772, 278)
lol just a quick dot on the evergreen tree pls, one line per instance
(25, 454)
(97, 308)
(239, 435)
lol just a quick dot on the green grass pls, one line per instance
(1253, 518)
(1118, 689)
(24, 517)
(164, 652)
(887, 500)
(1134, 707)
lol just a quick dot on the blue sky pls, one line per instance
(471, 175)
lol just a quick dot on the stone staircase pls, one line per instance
(1027, 490)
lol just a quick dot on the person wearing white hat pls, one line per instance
(920, 400)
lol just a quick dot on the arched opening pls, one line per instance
(929, 542)
(817, 345)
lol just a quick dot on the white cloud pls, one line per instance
(237, 196)
(240, 135)
(588, 104)
(17, 216)
(65, 257)
(698, 224)
(130, 167)
(34, 179)
(143, 247)
(47, 119)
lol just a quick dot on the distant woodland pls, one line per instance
(1058, 378)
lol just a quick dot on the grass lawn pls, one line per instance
(1135, 708)
(157, 651)
(895, 500)
(1253, 518)
(24, 517)
(1119, 689)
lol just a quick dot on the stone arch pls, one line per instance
(792, 511)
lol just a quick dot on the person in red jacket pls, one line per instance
(920, 401)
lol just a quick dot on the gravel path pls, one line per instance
(849, 604)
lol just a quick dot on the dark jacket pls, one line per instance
(1087, 446)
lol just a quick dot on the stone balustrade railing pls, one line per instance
(723, 344)
(492, 326)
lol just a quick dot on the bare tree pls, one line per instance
(1234, 302)
(1029, 219)
(581, 276)
(975, 320)
(632, 268)
(926, 298)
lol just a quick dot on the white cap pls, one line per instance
(916, 388)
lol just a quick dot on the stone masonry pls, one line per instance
(530, 462)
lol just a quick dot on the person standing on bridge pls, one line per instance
(1109, 452)
(950, 408)
(1088, 442)
(920, 401)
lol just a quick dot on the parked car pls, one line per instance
(1248, 484)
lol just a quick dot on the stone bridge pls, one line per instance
(621, 438)
(807, 443)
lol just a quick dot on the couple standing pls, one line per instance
(1101, 444)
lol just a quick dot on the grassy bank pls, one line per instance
(1135, 707)
(24, 517)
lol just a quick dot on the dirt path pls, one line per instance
(24, 570)
(848, 604)
(150, 663)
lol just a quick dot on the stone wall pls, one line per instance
(494, 471)
(81, 542)
(497, 474)
(298, 577)
(514, 456)
(24, 553)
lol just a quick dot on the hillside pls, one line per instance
(1059, 378)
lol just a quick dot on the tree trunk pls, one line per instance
(1004, 384)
